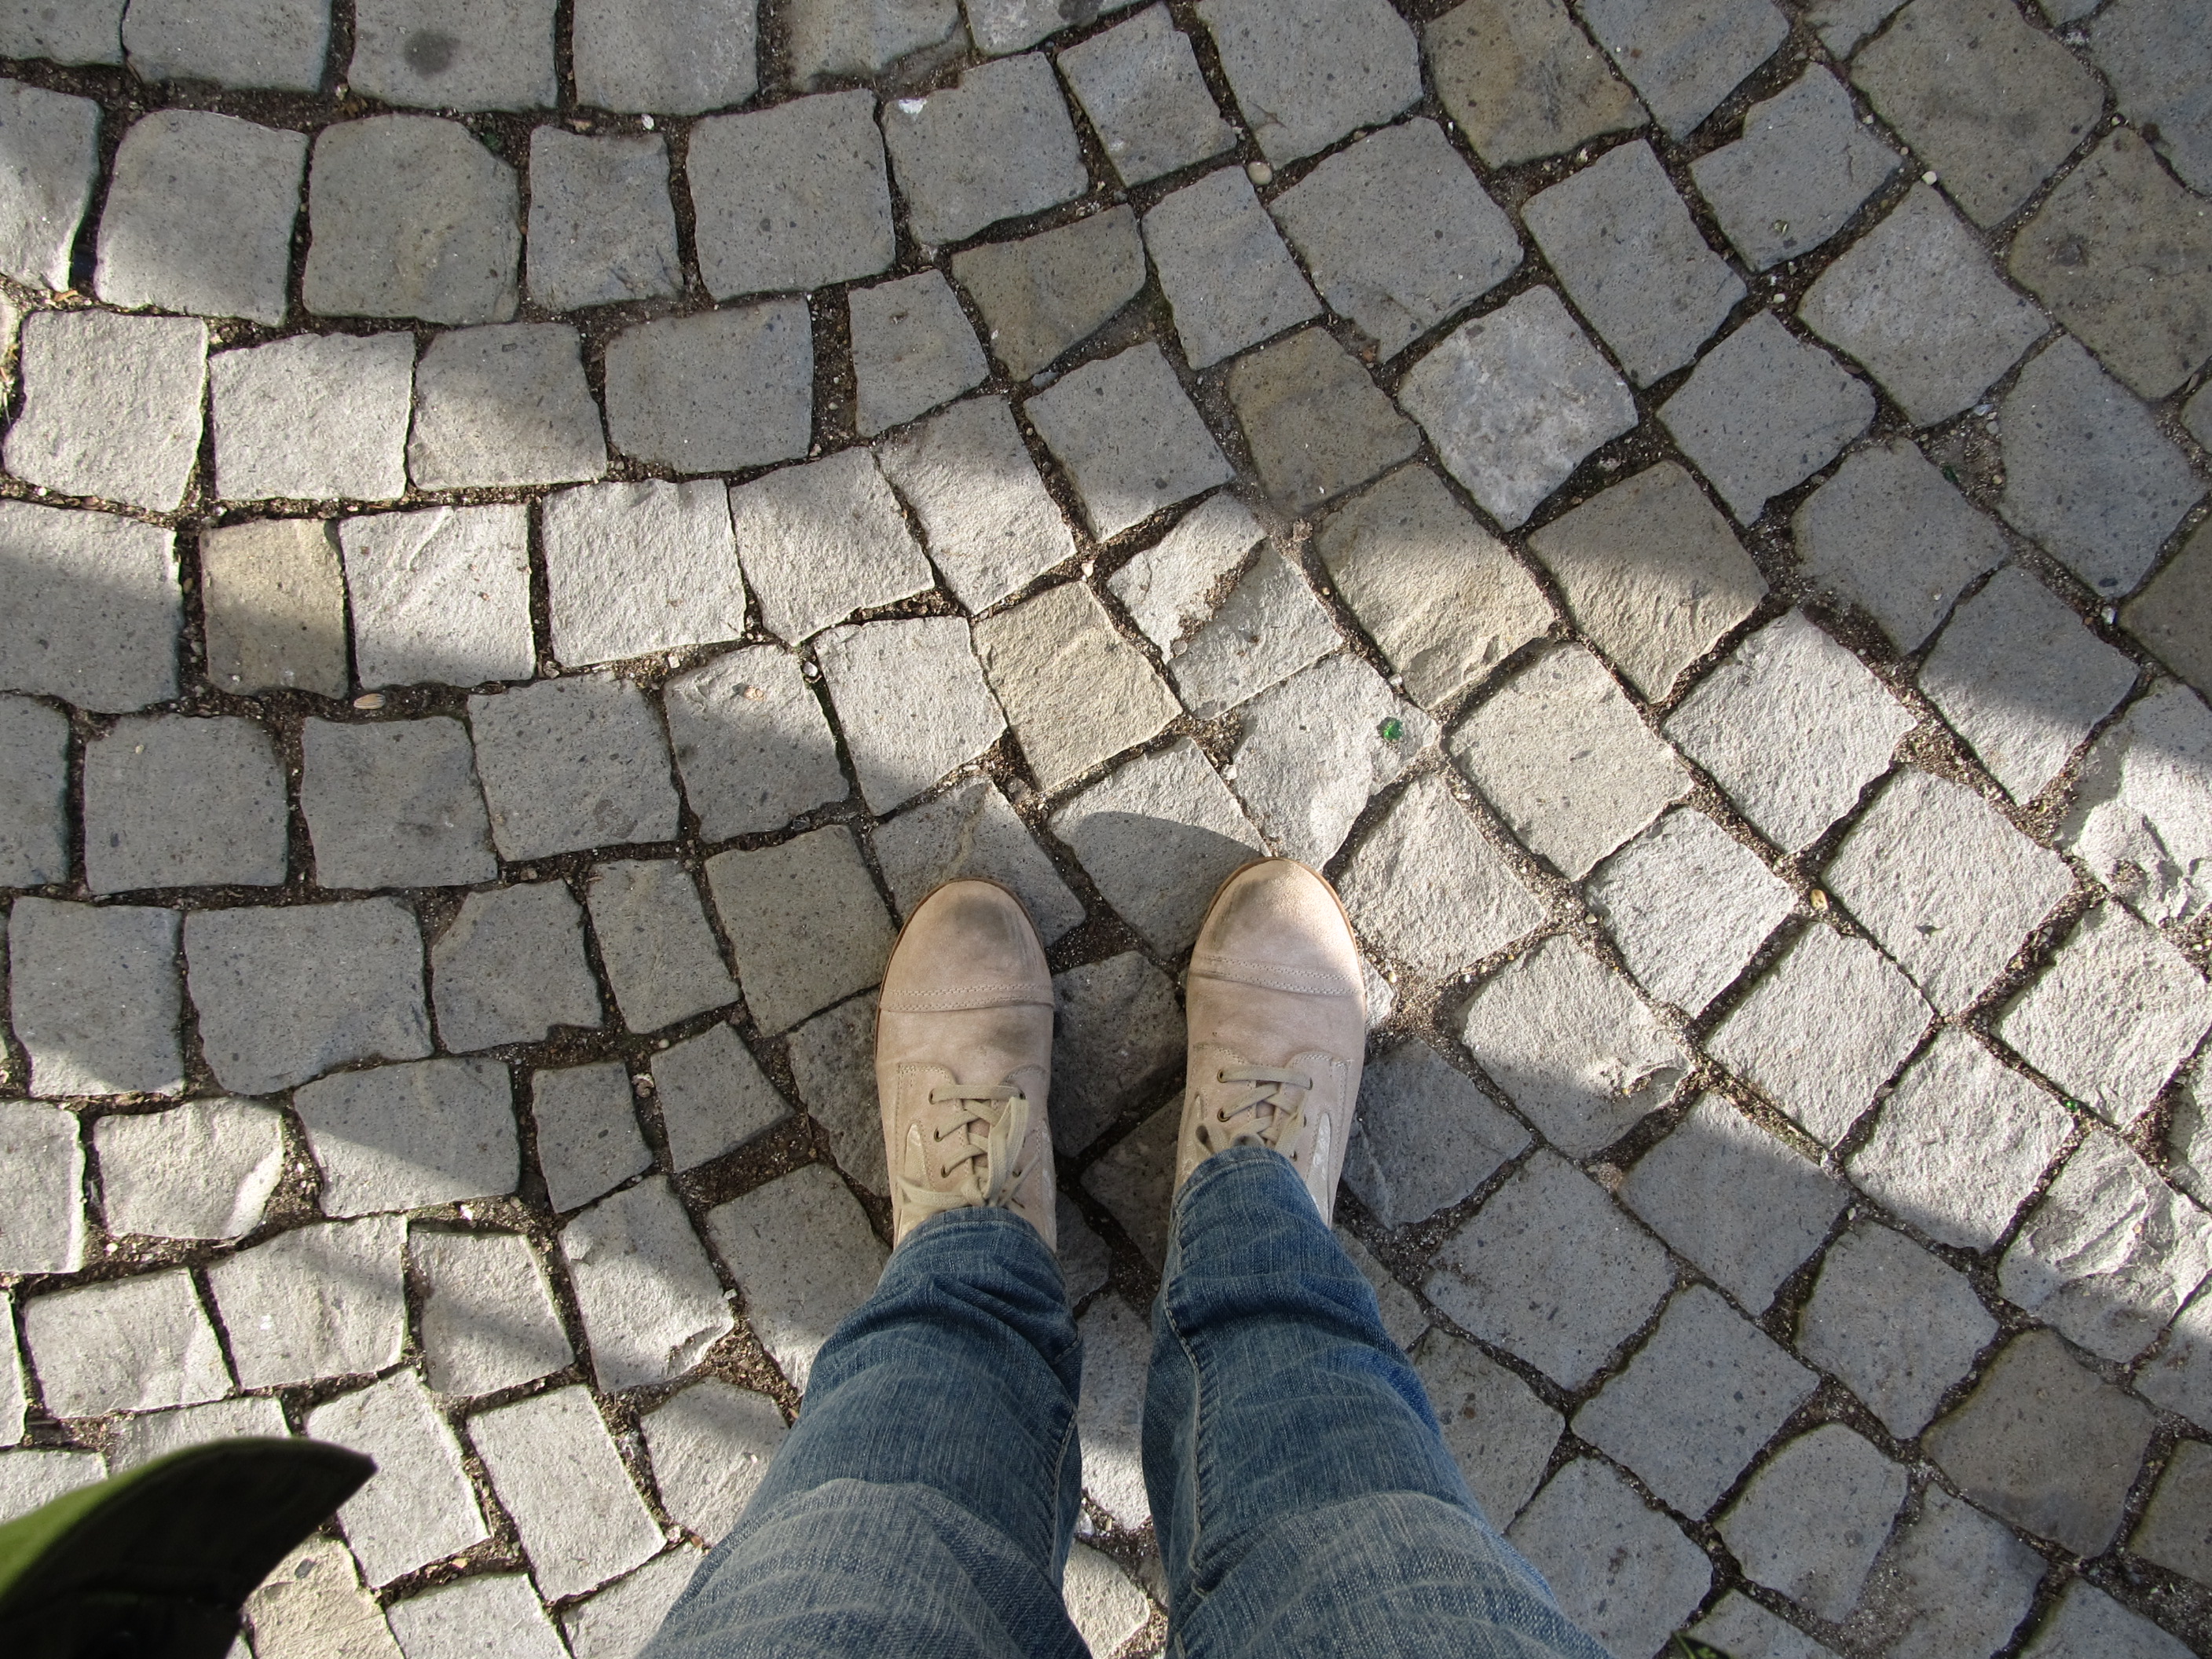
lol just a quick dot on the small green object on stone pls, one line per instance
(1393, 729)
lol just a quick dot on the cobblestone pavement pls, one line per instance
(1693, 515)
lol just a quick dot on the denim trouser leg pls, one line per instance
(1305, 1501)
(923, 1503)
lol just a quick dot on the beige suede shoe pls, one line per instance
(1278, 1014)
(963, 1060)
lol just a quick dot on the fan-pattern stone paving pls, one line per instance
(522, 558)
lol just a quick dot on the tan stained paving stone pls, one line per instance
(1075, 692)
(273, 603)
(1522, 81)
(1316, 425)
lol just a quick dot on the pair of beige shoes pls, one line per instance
(1278, 1017)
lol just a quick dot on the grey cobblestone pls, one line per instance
(1043, 293)
(322, 1300)
(805, 921)
(1312, 751)
(999, 145)
(1267, 628)
(680, 59)
(280, 43)
(1741, 1628)
(572, 763)
(1109, 1416)
(1499, 1431)
(2154, 57)
(1952, 1581)
(993, 528)
(42, 1230)
(637, 567)
(1428, 1137)
(715, 392)
(442, 595)
(496, 56)
(37, 1475)
(1140, 84)
(651, 1304)
(556, 1471)
(1688, 905)
(833, 1064)
(89, 607)
(823, 540)
(2163, 616)
(1427, 846)
(504, 405)
(2140, 804)
(1074, 691)
(131, 1344)
(409, 1137)
(864, 37)
(34, 789)
(1843, 23)
(313, 1598)
(813, 171)
(751, 743)
(174, 801)
(970, 830)
(1222, 264)
(1135, 1181)
(660, 956)
(198, 216)
(394, 804)
(2179, 1373)
(1896, 1325)
(803, 1254)
(111, 405)
(95, 998)
(86, 33)
(469, 1609)
(1004, 26)
(1128, 438)
(587, 1136)
(913, 349)
(1811, 1522)
(204, 1169)
(143, 1438)
(418, 1505)
(1621, 1572)
(2176, 1531)
(510, 967)
(713, 1096)
(618, 1621)
(911, 701)
(1523, 82)
(602, 229)
(1307, 72)
(272, 601)
(1118, 1040)
(710, 1445)
(488, 1322)
(2090, 1623)
(1316, 424)
(1686, 61)
(54, 156)
(1168, 589)
(1803, 167)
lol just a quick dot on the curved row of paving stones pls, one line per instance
(431, 1087)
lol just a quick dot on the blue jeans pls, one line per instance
(1304, 1501)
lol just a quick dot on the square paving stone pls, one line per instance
(1960, 1144)
(1040, 295)
(285, 994)
(1551, 1270)
(394, 804)
(1157, 836)
(1500, 1434)
(1268, 627)
(997, 145)
(573, 763)
(272, 597)
(314, 1592)
(1398, 233)
(441, 595)
(1952, 1581)
(410, 217)
(751, 742)
(1946, 885)
(2142, 809)
(95, 997)
(1313, 752)
(1822, 1030)
(1890, 535)
(602, 229)
(54, 162)
(1105, 1607)
(1316, 424)
(637, 567)
(174, 801)
(204, 1169)
(1843, 23)
(418, 1505)
(2090, 1624)
(651, 1305)
(1075, 692)
(140, 1440)
(588, 1141)
(1404, 1319)
(2023, 681)
(911, 702)
(1119, 1041)
(2114, 1015)
(2046, 1444)
(504, 405)
(862, 37)
(488, 1320)
(1917, 302)
(2166, 614)
(970, 830)
(1566, 760)
(1652, 575)
(42, 1230)
(618, 1621)
(2176, 1529)
(1572, 1046)
(1170, 588)
(720, 392)
(2156, 57)
(1633, 260)
(2088, 473)
(1741, 1203)
(812, 171)
(832, 1064)
(1523, 82)
(2120, 254)
(555, 1469)
(1222, 264)
(1110, 1416)
(912, 348)
(409, 1137)
(713, 1097)
(280, 43)
(129, 1345)
(1899, 1326)
(1697, 1402)
(2110, 1254)
(111, 405)
(1516, 401)
(468, 1610)
(680, 59)
(659, 955)
(1427, 886)
(1685, 60)
(1803, 167)
(86, 33)
(1989, 100)
(801, 1250)
(1004, 26)
(489, 56)
(823, 540)
(1741, 1627)
(1139, 83)
(1623, 1573)
(510, 968)
(1430, 1136)
(90, 610)
(1135, 1181)
(1129, 439)
(1763, 412)
(804, 921)
(992, 526)
(34, 787)
(1689, 905)
(322, 1300)
(1443, 598)
(199, 216)
(1307, 72)
(1811, 1522)
(1793, 727)
(710, 1445)
(2179, 1373)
